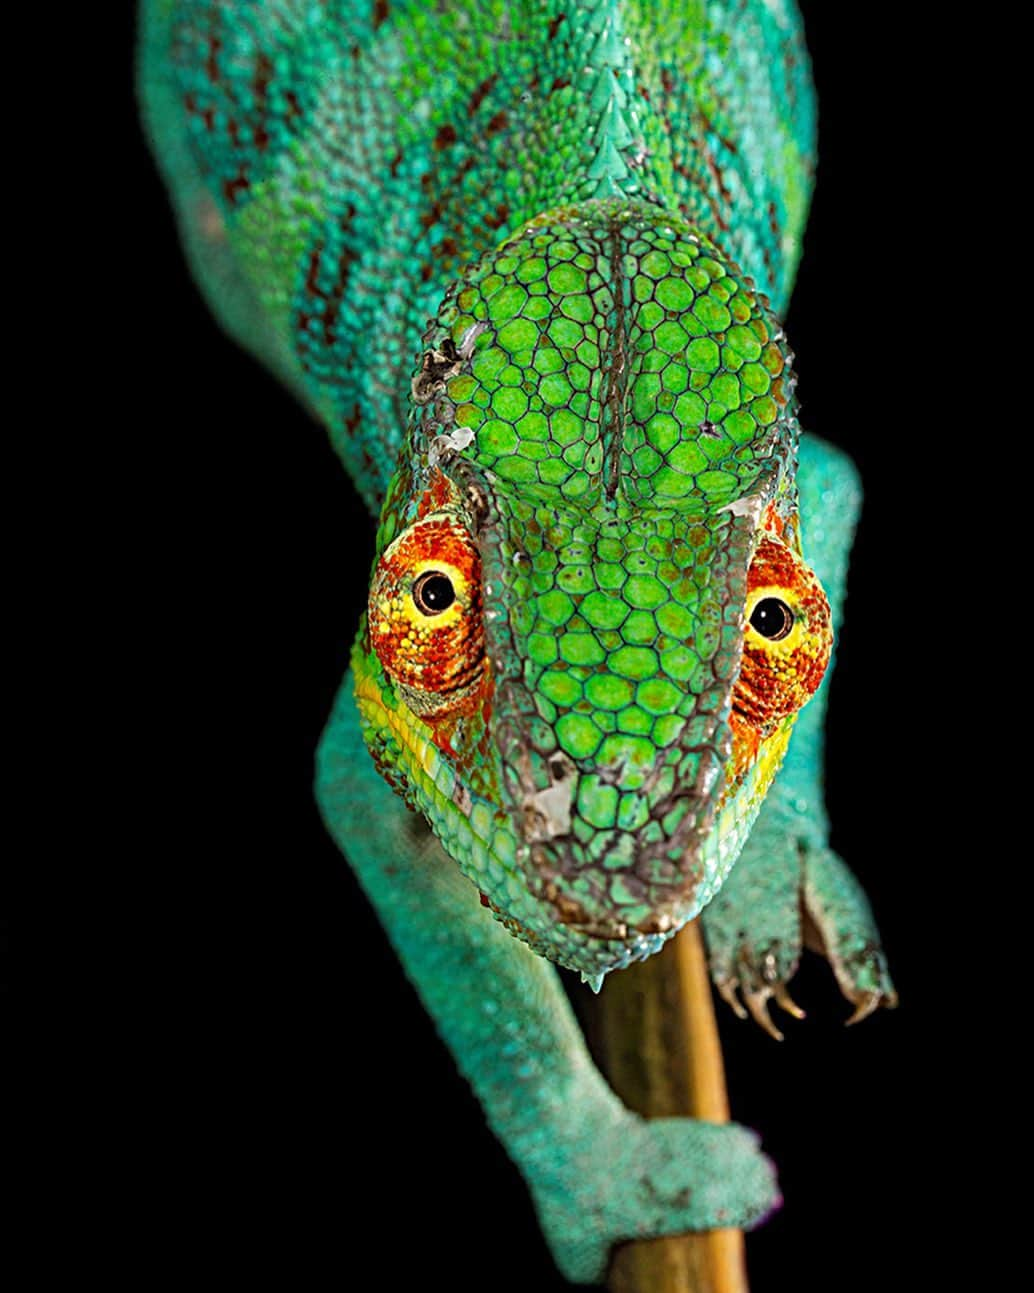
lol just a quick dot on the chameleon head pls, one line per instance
(590, 627)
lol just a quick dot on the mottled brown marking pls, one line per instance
(482, 90)
(446, 135)
(380, 13)
(499, 217)
(263, 76)
(709, 126)
(215, 46)
(431, 216)
(233, 189)
(554, 25)
(716, 175)
(331, 298)
(206, 115)
(311, 274)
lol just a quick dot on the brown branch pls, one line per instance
(659, 1048)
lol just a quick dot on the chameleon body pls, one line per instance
(527, 262)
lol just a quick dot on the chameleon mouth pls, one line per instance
(489, 842)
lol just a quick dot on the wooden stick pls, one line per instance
(660, 1050)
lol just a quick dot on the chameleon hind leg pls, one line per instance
(597, 1172)
(788, 887)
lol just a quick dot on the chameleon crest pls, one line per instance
(601, 430)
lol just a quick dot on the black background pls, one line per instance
(293, 1111)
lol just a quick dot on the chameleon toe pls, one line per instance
(757, 1003)
(787, 1003)
(727, 991)
(865, 1005)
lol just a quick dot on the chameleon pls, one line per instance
(527, 261)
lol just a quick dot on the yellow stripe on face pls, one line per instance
(413, 736)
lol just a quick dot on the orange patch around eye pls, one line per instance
(777, 677)
(441, 492)
(437, 660)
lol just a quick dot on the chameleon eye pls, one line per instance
(433, 593)
(425, 617)
(788, 639)
(772, 618)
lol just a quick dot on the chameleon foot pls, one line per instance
(838, 924)
(790, 890)
(651, 1178)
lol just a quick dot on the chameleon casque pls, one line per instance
(526, 262)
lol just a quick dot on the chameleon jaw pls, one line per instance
(489, 842)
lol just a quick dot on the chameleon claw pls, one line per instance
(757, 999)
(727, 992)
(757, 1004)
(787, 1003)
(864, 1004)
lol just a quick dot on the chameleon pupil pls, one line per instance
(433, 593)
(772, 618)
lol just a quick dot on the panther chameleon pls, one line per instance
(526, 260)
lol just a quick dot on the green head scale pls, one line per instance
(589, 626)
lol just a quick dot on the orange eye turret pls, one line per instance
(786, 646)
(425, 617)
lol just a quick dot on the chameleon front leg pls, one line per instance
(597, 1172)
(788, 887)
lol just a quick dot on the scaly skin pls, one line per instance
(591, 625)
